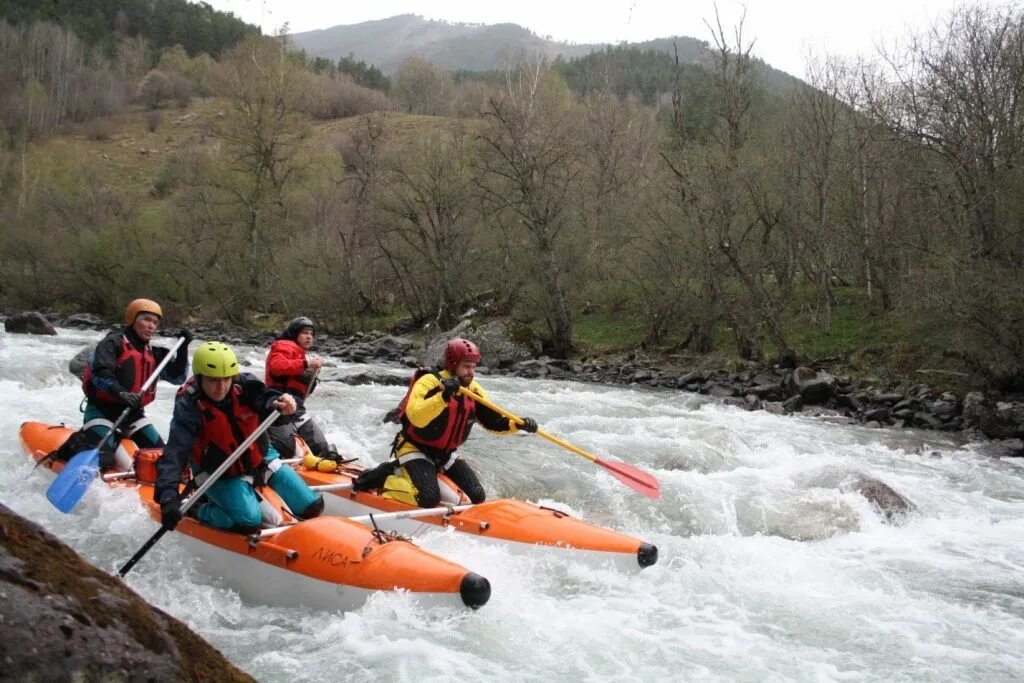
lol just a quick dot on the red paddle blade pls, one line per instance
(634, 478)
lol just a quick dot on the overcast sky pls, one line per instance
(783, 30)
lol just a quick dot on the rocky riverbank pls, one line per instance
(810, 390)
(62, 619)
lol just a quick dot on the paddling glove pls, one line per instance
(450, 387)
(170, 512)
(529, 425)
(131, 399)
(187, 335)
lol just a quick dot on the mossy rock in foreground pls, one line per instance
(62, 619)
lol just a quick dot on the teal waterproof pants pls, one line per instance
(232, 501)
(145, 436)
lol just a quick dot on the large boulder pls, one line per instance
(433, 352)
(379, 378)
(86, 320)
(812, 386)
(29, 323)
(390, 346)
(994, 419)
(891, 505)
(62, 619)
(498, 342)
(1005, 420)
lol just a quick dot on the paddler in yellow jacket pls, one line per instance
(436, 420)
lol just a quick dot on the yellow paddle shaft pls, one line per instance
(518, 420)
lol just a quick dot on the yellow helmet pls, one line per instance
(214, 359)
(141, 306)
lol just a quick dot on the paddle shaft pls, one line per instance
(114, 476)
(312, 381)
(332, 487)
(445, 510)
(200, 491)
(413, 514)
(634, 478)
(518, 420)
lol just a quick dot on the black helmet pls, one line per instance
(298, 325)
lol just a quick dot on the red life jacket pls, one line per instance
(447, 431)
(132, 370)
(397, 414)
(220, 434)
(297, 385)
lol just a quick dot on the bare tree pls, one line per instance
(618, 147)
(732, 220)
(957, 91)
(357, 221)
(241, 193)
(813, 145)
(428, 195)
(875, 195)
(680, 268)
(953, 98)
(528, 173)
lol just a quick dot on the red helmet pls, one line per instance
(458, 350)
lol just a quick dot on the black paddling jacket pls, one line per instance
(114, 367)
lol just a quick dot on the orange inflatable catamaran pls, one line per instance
(514, 522)
(327, 562)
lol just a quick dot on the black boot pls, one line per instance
(314, 510)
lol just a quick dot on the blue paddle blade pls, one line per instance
(74, 480)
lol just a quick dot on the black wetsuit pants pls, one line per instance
(423, 474)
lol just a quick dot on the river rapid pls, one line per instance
(771, 567)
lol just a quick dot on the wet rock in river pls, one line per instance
(29, 323)
(890, 504)
(62, 619)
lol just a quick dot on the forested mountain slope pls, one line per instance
(195, 26)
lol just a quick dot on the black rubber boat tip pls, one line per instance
(475, 590)
(647, 555)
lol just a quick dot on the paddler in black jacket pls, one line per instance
(120, 365)
(213, 414)
(436, 420)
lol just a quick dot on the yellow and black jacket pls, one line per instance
(436, 427)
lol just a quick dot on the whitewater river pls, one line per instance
(770, 568)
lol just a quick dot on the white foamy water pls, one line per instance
(770, 567)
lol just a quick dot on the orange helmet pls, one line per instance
(141, 306)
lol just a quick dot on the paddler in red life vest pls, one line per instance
(436, 420)
(290, 369)
(117, 369)
(214, 413)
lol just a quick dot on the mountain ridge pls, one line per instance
(386, 43)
